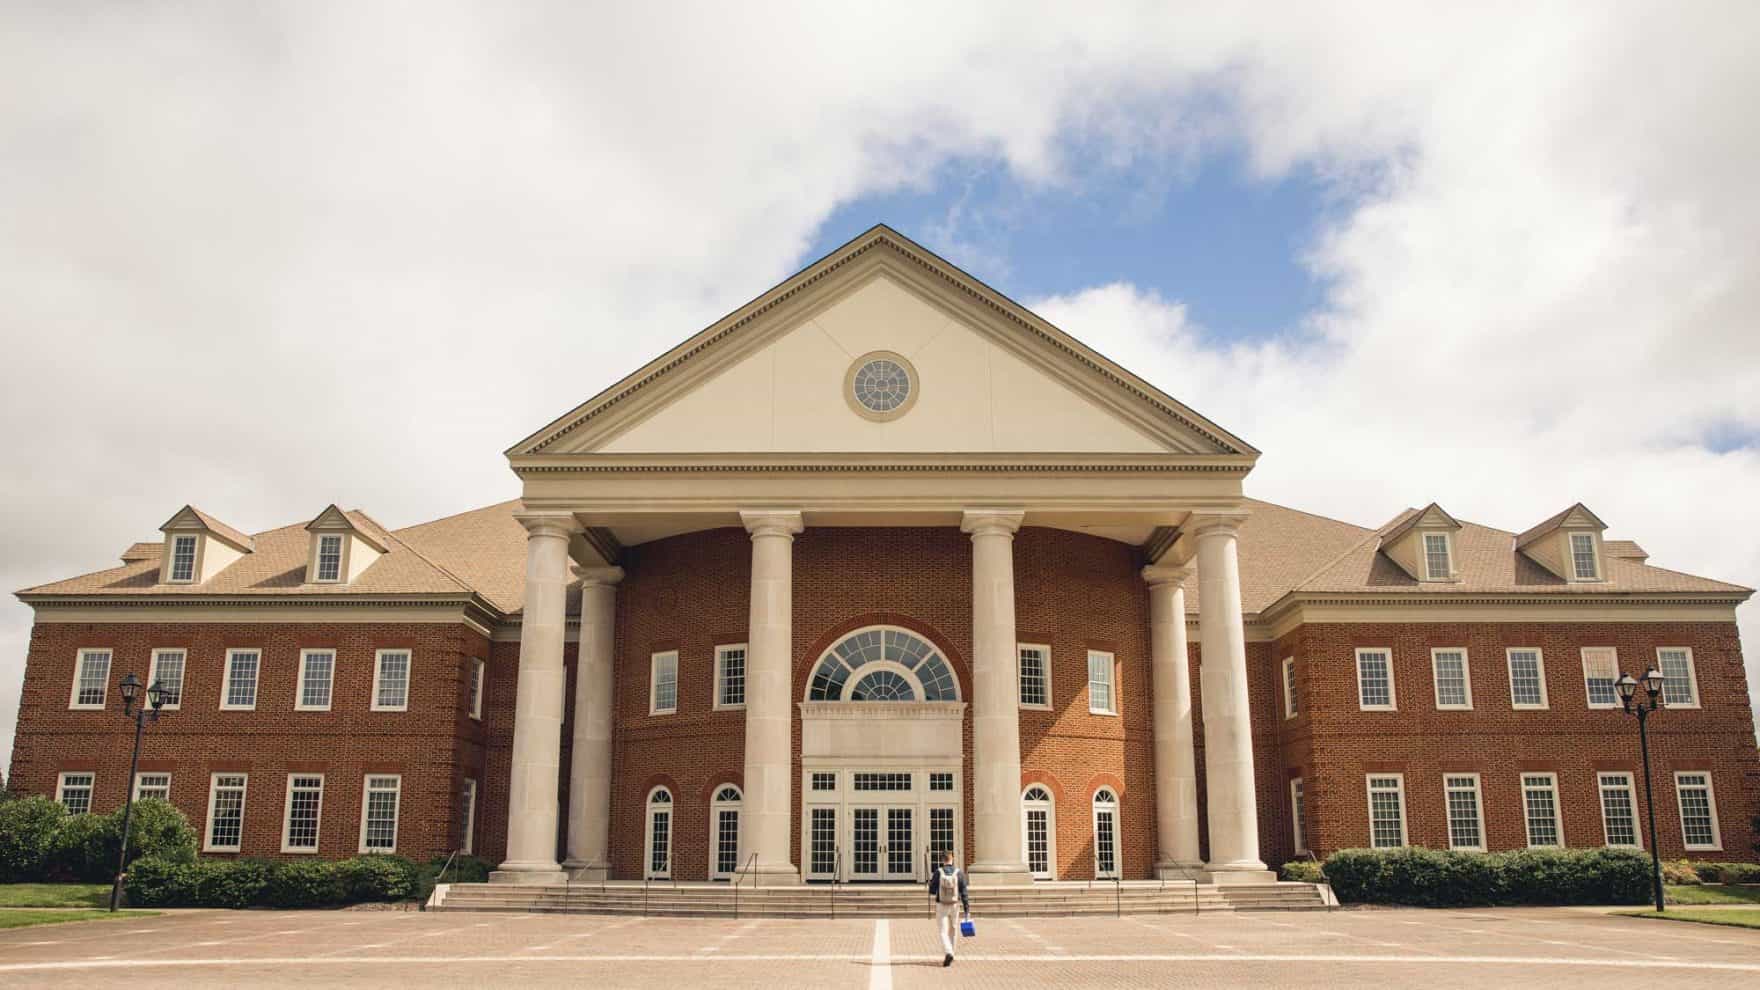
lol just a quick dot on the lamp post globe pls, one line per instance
(129, 687)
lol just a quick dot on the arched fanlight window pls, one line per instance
(1038, 836)
(1105, 834)
(724, 832)
(659, 837)
(883, 663)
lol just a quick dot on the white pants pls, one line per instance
(947, 925)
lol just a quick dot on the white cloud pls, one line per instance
(269, 257)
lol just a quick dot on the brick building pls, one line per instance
(878, 564)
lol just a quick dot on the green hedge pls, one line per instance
(1436, 878)
(242, 883)
(40, 841)
(1727, 872)
(1301, 871)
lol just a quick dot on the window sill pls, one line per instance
(1023, 706)
(310, 708)
(85, 708)
(238, 708)
(730, 708)
(1379, 708)
(1454, 708)
(389, 708)
(1531, 708)
(298, 852)
(1097, 711)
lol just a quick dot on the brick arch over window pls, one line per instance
(1046, 779)
(805, 663)
(1109, 781)
(718, 781)
(657, 780)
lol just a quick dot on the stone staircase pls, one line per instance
(699, 900)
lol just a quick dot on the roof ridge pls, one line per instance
(1305, 512)
(424, 558)
(1331, 563)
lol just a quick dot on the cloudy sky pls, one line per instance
(266, 257)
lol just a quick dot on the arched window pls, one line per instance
(659, 839)
(883, 663)
(1105, 834)
(724, 832)
(1038, 836)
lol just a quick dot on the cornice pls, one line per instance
(677, 464)
(177, 608)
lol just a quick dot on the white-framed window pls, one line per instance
(1437, 566)
(226, 793)
(154, 786)
(304, 808)
(1297, 810)
(1375, 680)
(824, 781)
(329, 569)
(1583, 562)
(1698, 807)
(1106, 849)
(74, 791)
(1600, 671)
(1540, 806)
(1039, 832)
(317, 671)
(724, 832)
(1619, 812)
(1680, 684)
(1527, 677)
(239, 692)
(379, 799)
(470, 816)
(1466, 826)
(91, 679)
(167, 669)
(475, 701)
(183, 559)
(1102, 689)
(1035, 674)
(1292, 705)
(657, 843)
(663, 683)
(1454, 685)
(730, 676)
(391, 680)
(1387, 810)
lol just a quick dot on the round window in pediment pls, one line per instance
(881, 385)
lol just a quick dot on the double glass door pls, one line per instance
(883, 843)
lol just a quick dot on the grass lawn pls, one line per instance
(1734, 917)
(1712, 894)
(54, 895)
(16, 918)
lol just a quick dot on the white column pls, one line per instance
(995, 703)
(537, 715)
(1230, 795)
(767, 810)
(1176, 767)
(589, 766)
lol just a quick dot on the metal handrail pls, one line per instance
(442, 877)
(739, 879)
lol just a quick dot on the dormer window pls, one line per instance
(1437, 566)
(183, 559)
(329, 558)
(1583, 557)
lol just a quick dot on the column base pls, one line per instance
(1181, 871)
(1250, 871)
(526, 874)
(770, 874)
(589, 872)
(998, 875)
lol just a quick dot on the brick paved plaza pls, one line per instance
(1552, 947)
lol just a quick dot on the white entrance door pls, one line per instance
(864, 844)
(724, 833)
(901, 854)
(1036, 832)
(822, 853)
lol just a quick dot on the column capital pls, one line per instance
(557, 524)
(1160, 574)
(989, 522)
(600, 575)
(1202, 524)
(772, 522)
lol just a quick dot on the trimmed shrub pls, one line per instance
(304, 883)
(159, 831)
(86, 847)
(1437, 878)
(1679, 871)
(1727, 872)
(377, 878)
(162, 882)
(27, 838)
(1301, 871)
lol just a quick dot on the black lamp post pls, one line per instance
(1628, 690)
(129, 687)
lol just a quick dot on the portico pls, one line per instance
(887, 441)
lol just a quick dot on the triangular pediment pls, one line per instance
(986, 376)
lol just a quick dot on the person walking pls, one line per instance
(947, 891)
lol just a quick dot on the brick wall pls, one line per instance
(427, 744)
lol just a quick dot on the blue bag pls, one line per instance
(967, 929)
